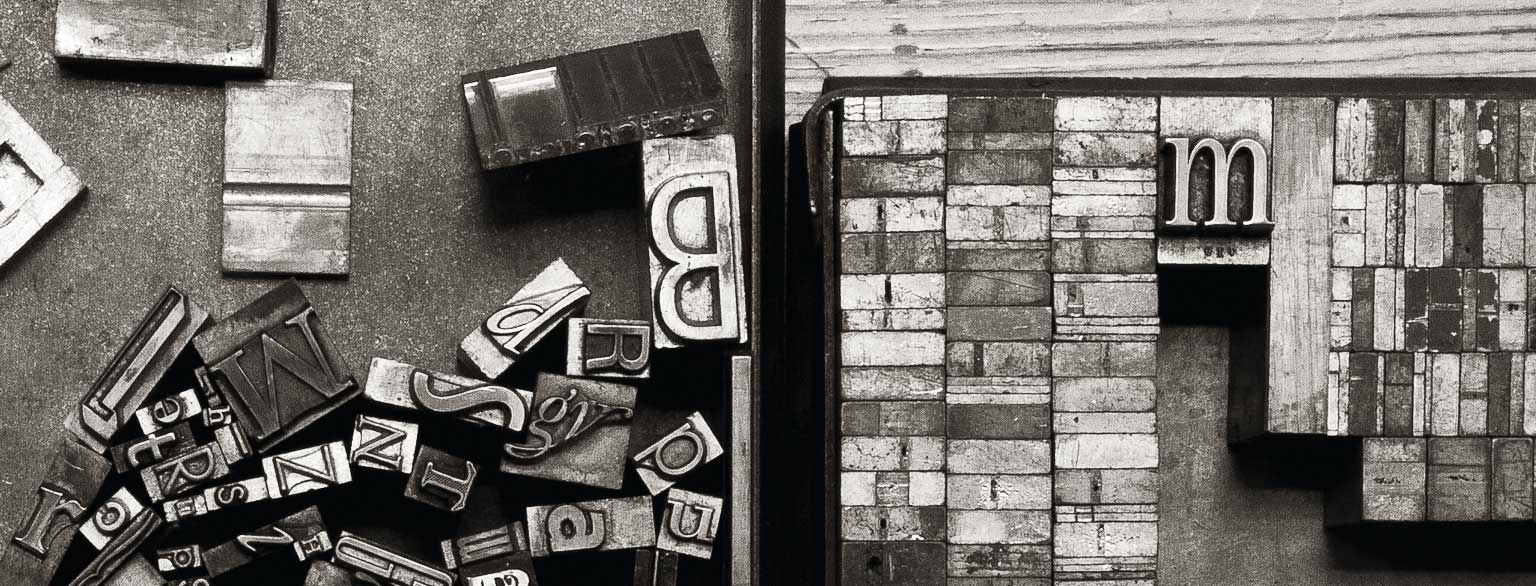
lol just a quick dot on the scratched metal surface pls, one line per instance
(436, 245)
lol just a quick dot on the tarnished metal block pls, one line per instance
(604, 525)
(301, 535)
(35, 186)
(306, 469)
(380, 562)
(608, 348)
(273, 364)
(287, 178)
(680, 452)
(153, 448)
(179, 474)
(111, 517)
(510, 332)
(689, 522)
(401, 385)
(580, 433)
(133, 373)
(384, 444)
(168, 411)
(238, 36)
(698, 285)
(441, 480)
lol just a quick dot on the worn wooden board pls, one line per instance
(1184, 38)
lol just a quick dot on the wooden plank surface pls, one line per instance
(1288, 38)
(1299, 279)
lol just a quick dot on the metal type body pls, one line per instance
(593, 99)
(580, 433)
(511, 331)
(376, 560)
(608, 348)
(36, 186)
(677, 454)
(238, 36)
(401, 385)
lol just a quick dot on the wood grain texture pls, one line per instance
(1290, 38)
(1299, 279)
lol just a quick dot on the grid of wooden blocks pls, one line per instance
(1429, 331)
(998, 324)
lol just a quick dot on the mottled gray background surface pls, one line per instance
(1255, 518)
(435, 245)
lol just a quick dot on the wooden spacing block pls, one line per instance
(1464, 225)
(1418, 141)
(401, 385)
(1401, 405)
(384, 444)
(580, 433)
(1432, 310)
(179, 474)
(238, 36)
(441, 480)
(1512, 304)
(153, 448)
(693, 224)
(1458, 479)
(1369, 141)
(1476, 140)
(1503, 226)
(273, 364)
(133, 373)
(235, 494)
(608, 348)
(655, 567)
(511, 331)
(306, 469)
(169, 411)
(1424, 235)
(1510, 485)
(381, 562)
(689, 522)
(121, 551)
(179, 560)
(880, 563)
(1388, 483)
(110, 518)
(680, 452)
(604, 525)
(1479, 310)
(287, 177)
(1105, 486)
(1105, 114)
(301, 535)
(893, 137)
(35, 185)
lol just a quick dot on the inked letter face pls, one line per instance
(693, 290)
(280, 377)
(1181, 205)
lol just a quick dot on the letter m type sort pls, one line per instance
(261, 398)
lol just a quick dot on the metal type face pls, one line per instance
(133, 373)
(384, 444)
(502, 541)
(179, 559)
(593, 99)
(524, 320)
(580, 433)
(608, 348)
(169, 411)
(689, 522)
(235, 494)
(272, 363)
(376, 560)
(694, 228)
(307, 469)
(153, 448)
(402, 385)
(605, 525)
(677, 454)
(302, 535)
(179, 474)
(1220, 184)
(441, 480)
(111, 517)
